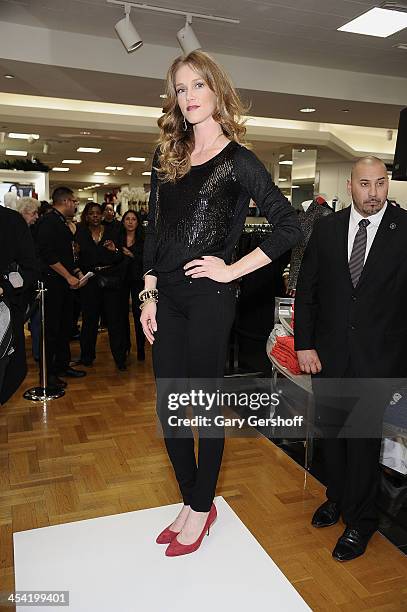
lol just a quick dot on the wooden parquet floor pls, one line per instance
(96, 452)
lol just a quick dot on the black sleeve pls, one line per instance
(273, 205)
(24, 257)
(306, 298)
(150, 240)
(47, 239)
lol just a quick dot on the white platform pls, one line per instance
(112, 564)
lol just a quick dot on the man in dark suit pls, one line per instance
(350, 323)
(18, 273)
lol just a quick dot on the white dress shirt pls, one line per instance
(371, 229)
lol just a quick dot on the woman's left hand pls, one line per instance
(209, 267)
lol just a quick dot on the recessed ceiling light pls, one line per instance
(402, 46)
(345, 110)
(71, 161)
(302, 150)
(377, 22)
(97, 185)
(286, 162)
(24, 136)
(9, 76)
(18, 153)
(101, 174)
(90, 198)
(80, 189)
(140, 159)
(295, 186)
(282, 180)
(88, 150)
(146, 173)
(113, 167)
(84, 133)
(59, 169)
(307, 110)
(164, 96)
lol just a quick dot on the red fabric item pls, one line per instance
(283, 351)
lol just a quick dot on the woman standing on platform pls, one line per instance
(131, 244)
(201, 184)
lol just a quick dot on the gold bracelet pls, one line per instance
(148, 301)
(146, 294)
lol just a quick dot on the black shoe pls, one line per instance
(350, 545)
(326, 515)
(71, 373)
(54, 381)
(85, 362)
(121, 366)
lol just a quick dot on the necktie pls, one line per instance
(357, 258)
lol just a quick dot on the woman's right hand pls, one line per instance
(148, 321)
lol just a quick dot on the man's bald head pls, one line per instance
(368, 160)
(368, 185)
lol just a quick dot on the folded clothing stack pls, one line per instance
(283, 351)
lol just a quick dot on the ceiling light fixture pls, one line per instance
(101, 174)
(402, 46)
(24, 136)
(84, 133)
(295, 186)
(378, 22)
(17, 153)
(71, 161)
(286, 162)
(9, 76)
(88, 150)
(186, 36)
(45, 148)
(126, 31)
(59, 169)
(113, 167)
(138, 159)
(307, 110)
(187, 39)
(146, 174)
(282, 180)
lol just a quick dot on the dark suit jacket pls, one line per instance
(365, 326)
(16, 246)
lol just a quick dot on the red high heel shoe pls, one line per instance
(176, 549)
(166, 536)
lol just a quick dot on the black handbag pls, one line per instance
(105, 280)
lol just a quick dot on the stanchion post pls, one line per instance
(43, 392)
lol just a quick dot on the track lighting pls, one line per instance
(127, 33)
(187, 39)
(186, 36)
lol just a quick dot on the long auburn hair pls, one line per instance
(175, 143)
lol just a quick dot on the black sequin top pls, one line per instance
(204, 212)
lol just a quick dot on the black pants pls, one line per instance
(351, 464)
(92, 300)
(194, 318)
(58, 323)
(133, 289)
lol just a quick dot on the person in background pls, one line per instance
(60, 276)
(28, 209)
(98, 253)
(109, 217)
(350, 324)
(131, 244)
(18, 273)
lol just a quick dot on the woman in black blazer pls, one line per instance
(131, 244)
(99, 253)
